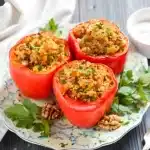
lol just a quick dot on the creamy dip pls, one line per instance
(141, 31)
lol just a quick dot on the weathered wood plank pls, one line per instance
(115, 10)
(76, 16)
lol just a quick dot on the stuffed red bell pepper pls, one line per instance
(33, 61)
(99, 41)
(84, 91)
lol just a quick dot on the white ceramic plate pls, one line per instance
(62, 131)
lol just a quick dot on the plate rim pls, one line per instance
(102, 145)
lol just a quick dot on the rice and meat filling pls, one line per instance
(84, 80)
(40, 52)
(97, 37)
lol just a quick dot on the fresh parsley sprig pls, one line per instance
(132, 94)
(27, 115)
(53, 27)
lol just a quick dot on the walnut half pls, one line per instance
(51, 111)
(109, 122)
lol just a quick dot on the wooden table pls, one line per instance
(118, 11)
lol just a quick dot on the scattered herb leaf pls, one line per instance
(132, 94)
(17, 112)
(52, 26)
(120, 109)
(27, 115)
(31, 107)
(63, 144)
(46, 129)
(125, 90)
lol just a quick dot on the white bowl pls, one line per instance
(138, 27)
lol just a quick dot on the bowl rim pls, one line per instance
(128, 24)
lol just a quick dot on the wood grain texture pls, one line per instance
(76, 15)
(117, 11)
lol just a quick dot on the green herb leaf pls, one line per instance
(46, 128)
(126, 78)
(144, 79)
(32, 107)
(38, 127)
(42, 126)
(17, 112)
(129, 74)
(127, 100)
(125, 90)
(116, 100)
(132, 94)
(25, 123)
(52, 25)
(120, 109)
(21, 115)
(28, 116)
(141, 93)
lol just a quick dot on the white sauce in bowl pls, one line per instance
(141, 31)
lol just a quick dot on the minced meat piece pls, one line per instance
(40, 52)
(84, 80)
(98, 37)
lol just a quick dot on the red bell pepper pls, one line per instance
(34, 85)
(116, 61)
(80, 113)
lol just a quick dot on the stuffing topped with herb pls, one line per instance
(82, 80)
(99, 37)
(42, 51)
